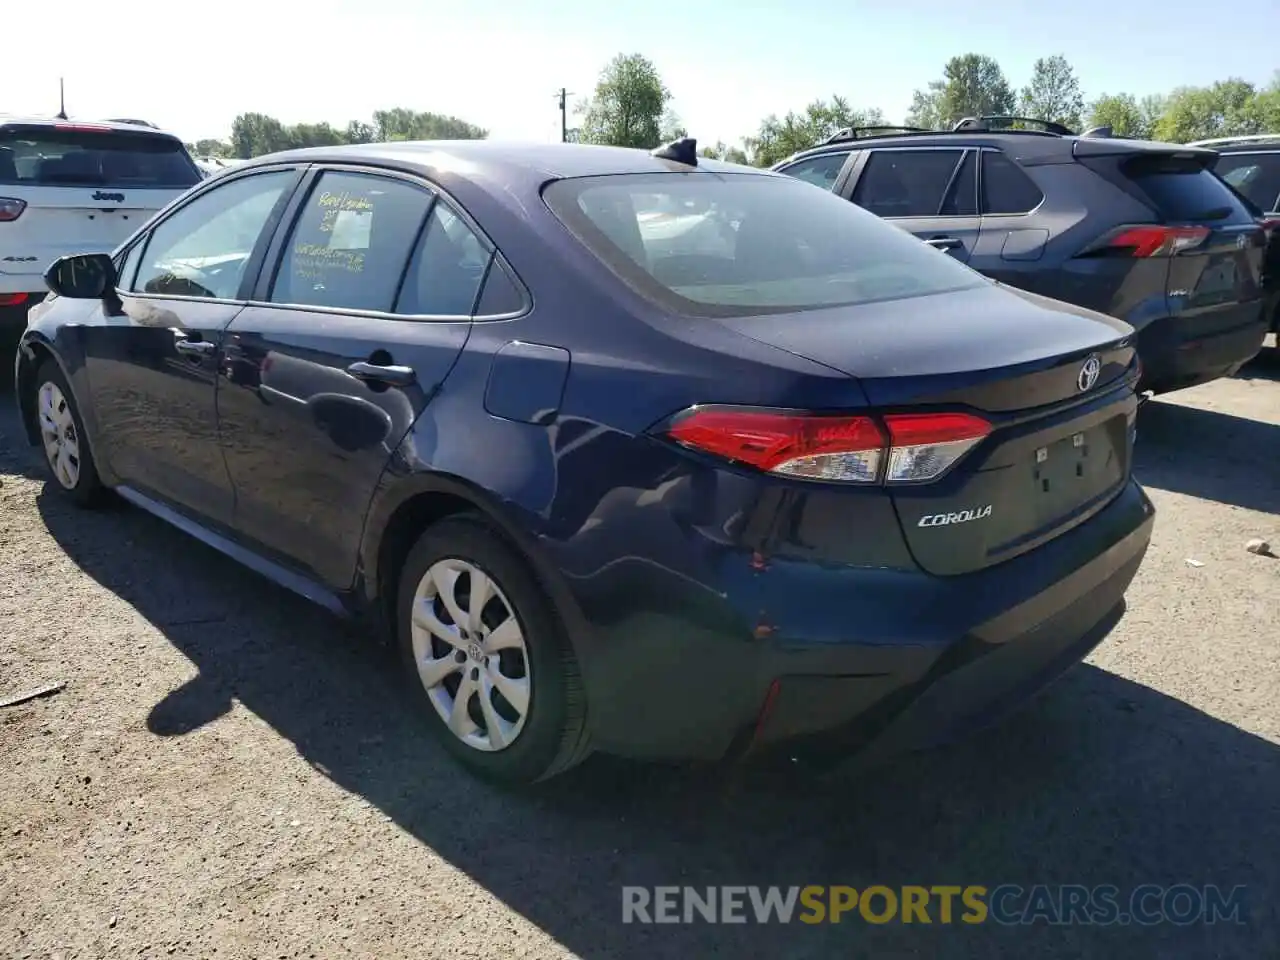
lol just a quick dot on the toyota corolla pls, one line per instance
(639, 453)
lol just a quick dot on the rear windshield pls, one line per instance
(1255, 175)
(1183, 190)
(704, 244)
(45, 157)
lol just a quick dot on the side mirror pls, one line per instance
(81, 276)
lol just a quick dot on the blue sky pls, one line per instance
(192, 67)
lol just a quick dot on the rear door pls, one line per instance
(347, 342)
(1013, 241)
(86, 188)
(930, 192)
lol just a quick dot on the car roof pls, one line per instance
(123, 126)
(517, 164)
(1026, 146)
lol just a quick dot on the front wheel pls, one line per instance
(66, 447)
(488, 656)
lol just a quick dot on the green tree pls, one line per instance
(1122, 113)
(359, 132)
(628, 106)
(779, 138)
(210, 148)
(972, 85)
(253, 134)
(1053, 93)
(1225, 109)
(402, 124)
(722, 151)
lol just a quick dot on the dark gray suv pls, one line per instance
(1251, 164)
(1140, 230)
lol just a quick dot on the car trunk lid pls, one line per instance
(1054, 382)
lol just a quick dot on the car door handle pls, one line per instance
(379, 373)
(195, 348)
(944, 243)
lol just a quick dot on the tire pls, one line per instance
(67, 453)
(525, 651)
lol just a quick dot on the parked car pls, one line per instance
(68, 186)
(1251, 165)
(610, 484)
(1139, 230)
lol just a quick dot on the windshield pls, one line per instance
(48, 157)
(738, 244)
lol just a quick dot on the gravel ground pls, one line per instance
(229, 773)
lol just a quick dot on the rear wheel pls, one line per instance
(66, 446)
(487, 655)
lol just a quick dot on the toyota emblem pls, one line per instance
(1089, 374)
(1241, 242)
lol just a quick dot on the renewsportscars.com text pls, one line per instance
(1007, 904)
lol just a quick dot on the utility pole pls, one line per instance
(563, 96)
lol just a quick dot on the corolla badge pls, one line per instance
(1089, 372)
(117, 197)
(960, 516)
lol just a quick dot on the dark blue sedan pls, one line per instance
(630, 452)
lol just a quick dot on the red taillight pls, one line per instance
(833, 448)
(1269, 223)
(13, 299)
(1152, 240)
(83, 127)
(11, 209)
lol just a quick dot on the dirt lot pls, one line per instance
(230, 774)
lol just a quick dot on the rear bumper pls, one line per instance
(856, 660)
(1173, 358)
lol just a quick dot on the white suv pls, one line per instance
(73, 187)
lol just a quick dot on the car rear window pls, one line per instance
(1255, 175)
(48, 157)
(1183, 190)
(700, 244)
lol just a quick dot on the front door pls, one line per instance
(152, 366)
(929, 192)
(369, 308)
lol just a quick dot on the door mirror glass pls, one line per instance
(83, 276)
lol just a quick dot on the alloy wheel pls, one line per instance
(470, 653)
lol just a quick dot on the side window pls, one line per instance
(447, 268)
(1005, 188)
(350, 243)
(821, 171)
(906, 183)
(962, 198)
(202, 250)
(127, 265)
(500, 295)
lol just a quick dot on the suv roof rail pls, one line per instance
(1228, 141)
(136, 123)
(881, 130)
(983, 123)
